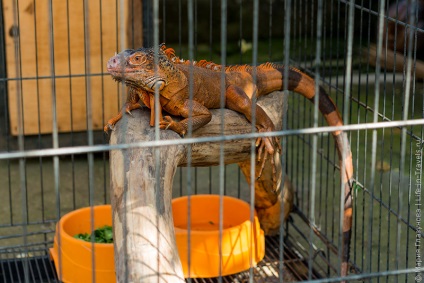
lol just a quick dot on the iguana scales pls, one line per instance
(136, 68)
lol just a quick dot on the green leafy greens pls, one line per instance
(101, 235)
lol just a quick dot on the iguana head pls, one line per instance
(137, 68)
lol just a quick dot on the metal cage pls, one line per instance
(55, 97)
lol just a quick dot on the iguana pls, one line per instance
(137, 69)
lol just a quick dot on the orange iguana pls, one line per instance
(136, 68)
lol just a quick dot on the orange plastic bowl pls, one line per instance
(76, 255)
(240, 247)
(243, 244)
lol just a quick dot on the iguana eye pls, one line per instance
(137, 59)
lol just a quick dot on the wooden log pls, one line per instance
(390, 64)
(145, 249)
(144, 240)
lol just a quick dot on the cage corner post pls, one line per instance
(145, 247)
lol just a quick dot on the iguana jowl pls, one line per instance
(136, 68)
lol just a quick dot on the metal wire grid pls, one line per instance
(41, 269)
(391, 214)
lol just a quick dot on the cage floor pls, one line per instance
(39, 268)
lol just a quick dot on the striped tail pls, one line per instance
(305, 85)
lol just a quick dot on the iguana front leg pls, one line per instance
(237, 100)
(131, 104)
(153, 109)
(200, 116)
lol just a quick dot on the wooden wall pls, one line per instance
(29, 56)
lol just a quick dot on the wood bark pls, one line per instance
(141, 187)
(399, 65)
(144, 241)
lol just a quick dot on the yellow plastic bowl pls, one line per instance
(76, 255)
(243, 244)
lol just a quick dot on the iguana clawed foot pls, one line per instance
(111, 122)
(266, 149)
(169, 124)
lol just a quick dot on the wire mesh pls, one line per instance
(56, 96)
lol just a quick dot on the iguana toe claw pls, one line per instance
(108, 127)
(267, 148)
(258, 142)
